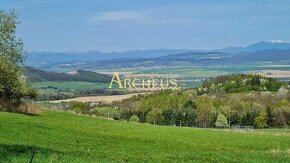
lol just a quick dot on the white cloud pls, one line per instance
(140, 17)
(112, 16)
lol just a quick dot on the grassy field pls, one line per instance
(66, 137)
(67, 85)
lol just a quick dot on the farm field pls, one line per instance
(193, 71)
(66, 137)
(54, 86)
(274, 73)
(98, 98)
(209, 71)
(186, 76)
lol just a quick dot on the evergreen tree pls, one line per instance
(270, 116)
(261, 120)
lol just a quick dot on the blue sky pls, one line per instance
(116, 25)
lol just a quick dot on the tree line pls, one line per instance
(212, 108)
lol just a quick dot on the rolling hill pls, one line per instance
(37, 75)
(65, 137)
(197, 59)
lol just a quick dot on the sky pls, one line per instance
(118, 25)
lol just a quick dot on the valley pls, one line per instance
(144, 81)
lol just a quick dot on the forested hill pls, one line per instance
(224, 101)
(36, 75)
(241, 83)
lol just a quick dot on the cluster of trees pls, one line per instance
(187, 108)
(99, 109)
(13, 85)
(240, 83)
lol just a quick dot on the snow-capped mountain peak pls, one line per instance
(278, 41)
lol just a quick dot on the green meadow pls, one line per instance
(66, 137)
(67, 86)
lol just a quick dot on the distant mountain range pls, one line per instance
(263, 51)
(46, 59)
(190, 59)
(262, 45)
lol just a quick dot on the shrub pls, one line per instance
(134, 118)
(221, 121)
(77, 109)
(282, 93)
(18, 106)
(108, 112)
(80, 107)
(29, 108)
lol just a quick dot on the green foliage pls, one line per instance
(134, 118)
(281, 116)
(105, 111)
(155, 116)
(261, 120)
(11, 47)
(240, 83)
(204, 110)
(270, 116)
(179, 108)
(13, 85)
(225, 110)
(221, 121)
(77, 110)
(80, 107)
(12, 82)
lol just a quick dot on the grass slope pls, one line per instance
(66, 86)
(66, 137)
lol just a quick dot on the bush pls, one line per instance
(108, 112)
(80, 107)
(77, 110)
(29, 108)
(18, 106)
(134, 118)
(282, 93)
(221, 121)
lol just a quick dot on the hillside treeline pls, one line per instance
(239, 83)
(213, 106)
(37, 75)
